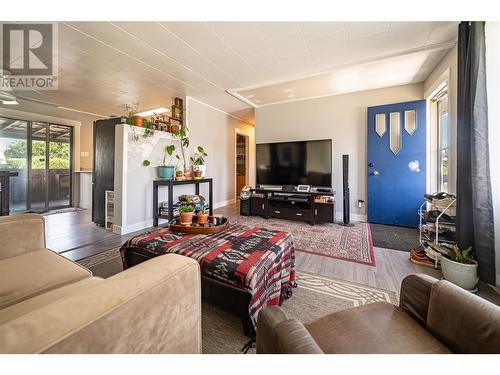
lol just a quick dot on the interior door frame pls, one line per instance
(247, 155)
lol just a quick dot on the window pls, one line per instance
(443, 130)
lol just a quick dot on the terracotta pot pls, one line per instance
(174, 128)
(202, 218)
(197, 174)
(187, 174)
(138, 121)
(186, 218)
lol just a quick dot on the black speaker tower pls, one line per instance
(345, 183)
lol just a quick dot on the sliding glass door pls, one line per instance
(41, 153)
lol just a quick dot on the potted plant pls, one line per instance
(165, 169)
(458, 266)
(179, 174)
(186, 212)
(198, 161)
(197, 173)
(130, 113)
(202, 215)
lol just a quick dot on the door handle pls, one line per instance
(298, 214)
(277, 212)
(375, 173)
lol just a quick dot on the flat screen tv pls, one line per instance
(295, 163)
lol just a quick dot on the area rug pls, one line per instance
(222, 332)
(396, 238)
(353, 244)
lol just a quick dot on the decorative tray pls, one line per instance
(215, 224)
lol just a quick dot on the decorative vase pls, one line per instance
(138, 121)
(166, 172)
(463, 275)
(186, 218)
(202, 218)
(187, 174)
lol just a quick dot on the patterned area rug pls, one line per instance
(353, 244)
(222, 332)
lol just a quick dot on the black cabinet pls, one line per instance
(103, 171)
(299, 206)
(324, 212)
(258, 206)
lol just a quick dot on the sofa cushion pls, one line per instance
(374, 328)
(32, 304)
(36, 272)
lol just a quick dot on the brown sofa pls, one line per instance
(49, 304)
(432, 317)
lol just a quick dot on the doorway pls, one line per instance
(41, 153)
(241, 162)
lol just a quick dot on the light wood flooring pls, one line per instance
(73, 235)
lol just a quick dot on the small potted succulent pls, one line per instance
(198, 161)
(197, 173)
(203, 215)
(186, 212)
(166, 168)
(179, 174)
(458, 266)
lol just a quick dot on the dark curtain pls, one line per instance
(474, 207)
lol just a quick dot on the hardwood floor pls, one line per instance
(73, 235)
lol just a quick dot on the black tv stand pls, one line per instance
(299, 206)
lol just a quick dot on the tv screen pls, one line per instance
(295, 163)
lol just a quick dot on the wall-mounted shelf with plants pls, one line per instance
(170, 123)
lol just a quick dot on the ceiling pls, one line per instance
(105, 64)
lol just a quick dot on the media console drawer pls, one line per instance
(290, 213)
(258, 206)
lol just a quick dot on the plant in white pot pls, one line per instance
(165, 169)
(458, 266)
(198, 161)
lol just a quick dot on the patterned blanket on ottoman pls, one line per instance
(258, 260)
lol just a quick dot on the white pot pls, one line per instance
(463, 275)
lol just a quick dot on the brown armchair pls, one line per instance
(433, 317)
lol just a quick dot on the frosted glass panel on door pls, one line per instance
(410, 121)
(394, 132)
(380, 126)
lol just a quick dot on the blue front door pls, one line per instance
(396, 162)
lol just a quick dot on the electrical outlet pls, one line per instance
(84, 154)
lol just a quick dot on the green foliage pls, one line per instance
(454, 253)
(199, 157)
(186, 208)
(17, 152)
(203, 209)
(130, 110)
(183, 138)
(146, 163)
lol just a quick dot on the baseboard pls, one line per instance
(85, 206)
(339, 216)
(224, 203)
(118, 229)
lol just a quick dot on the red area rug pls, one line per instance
(353, 244)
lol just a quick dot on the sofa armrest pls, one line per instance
(21, 234)
(415, 296)
(276, 334)
(154, 307)
(462, 321)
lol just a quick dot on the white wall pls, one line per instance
(493, 87)
(208, 127)
(343, 118)
(215, 131)
(446, 70)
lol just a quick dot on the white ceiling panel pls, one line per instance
(104, 64)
